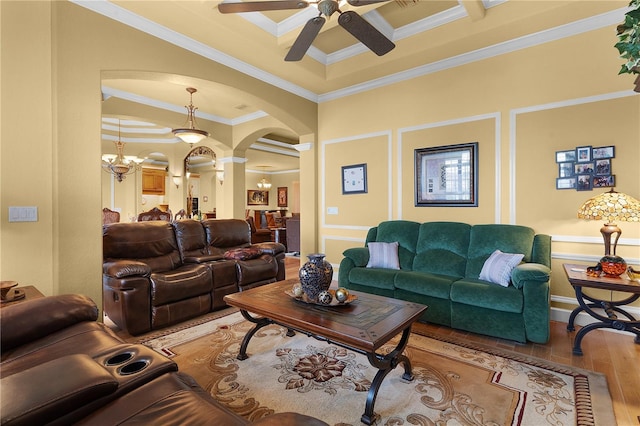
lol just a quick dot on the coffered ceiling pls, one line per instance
(430, 36)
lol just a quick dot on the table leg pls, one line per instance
(385, 364)
(259, 323)
(609, 320)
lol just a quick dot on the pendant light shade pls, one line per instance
(190, 134)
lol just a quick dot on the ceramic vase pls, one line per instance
(315, 275)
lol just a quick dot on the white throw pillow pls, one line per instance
(497, 268)
(383, 255)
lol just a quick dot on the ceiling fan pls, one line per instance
(355, 24)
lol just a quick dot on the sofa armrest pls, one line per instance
(48, 391)
(359, 256)
(203, 259)
(270, 248)
(529, 272)
(126, 268)
(33, 319)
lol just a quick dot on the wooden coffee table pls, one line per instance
(364, 326)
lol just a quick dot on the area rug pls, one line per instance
(455, 383)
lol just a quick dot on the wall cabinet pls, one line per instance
(153, 181)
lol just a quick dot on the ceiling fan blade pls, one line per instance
(364, 2)
(306, 37)
(259, 6)
(365, 32)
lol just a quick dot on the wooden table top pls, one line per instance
(577, 275)
(366, 323)
(30, 292)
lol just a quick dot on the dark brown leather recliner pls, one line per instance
(223, 235)
(145, 283)
(59, 366)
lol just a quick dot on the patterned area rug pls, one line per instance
(455, 383)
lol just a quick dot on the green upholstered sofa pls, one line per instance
(440, 265)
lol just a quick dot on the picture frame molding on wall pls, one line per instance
(354, 179)
(431, 169)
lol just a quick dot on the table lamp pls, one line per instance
(611, 206)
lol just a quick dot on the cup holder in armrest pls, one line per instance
(133, 367)
(118, 359)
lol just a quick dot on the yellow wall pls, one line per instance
(521, 108)
(53, 57)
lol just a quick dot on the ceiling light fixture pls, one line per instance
(119, 164)
(190, 135)
(264, 183)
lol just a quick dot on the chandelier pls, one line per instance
(264, 183)
(190, 135)
(119, 164)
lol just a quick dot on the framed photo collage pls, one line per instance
(585, 168)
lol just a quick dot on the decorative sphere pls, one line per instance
(297, 290)
(325, 297)
(342, 294)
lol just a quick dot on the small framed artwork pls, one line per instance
(584, 183)
(566, 183)
(566, 156)
(282, 196)
(604, 152)
(447, 176)
(604, 181)
(565, 170)
(354, 179)
(257, 197)
(584, 168)
(583, 154)
(603, 167)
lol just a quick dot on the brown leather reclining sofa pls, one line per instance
(158, 273)
(59, 366)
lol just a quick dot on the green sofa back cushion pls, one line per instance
(442, 248)
(405, 232)
(485, 239)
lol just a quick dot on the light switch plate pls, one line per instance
(332, 210)
(23, 214)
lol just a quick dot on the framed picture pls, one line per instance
(603, 167)
(256, 197)
(566, 170)
(584, 168)
(282, 196)
(566, 183)
(583, 154)
(354, 179)
(604, 181)
(604, 152)
(447, 176)
(584, 183)
(565, 156)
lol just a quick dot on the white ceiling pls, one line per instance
(430, 36)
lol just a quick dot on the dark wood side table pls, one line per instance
(608, 313)
(30, 292)
(279, 235)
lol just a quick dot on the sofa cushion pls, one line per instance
(383, 255)
(261, 269)
(475, 292)
(442, 248)
(405, 233)
(485, 239)
(425, 283)
(180, 283)
(497, 268)
(190, 237)
(373, 277)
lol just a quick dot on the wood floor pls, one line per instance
(610, 353)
